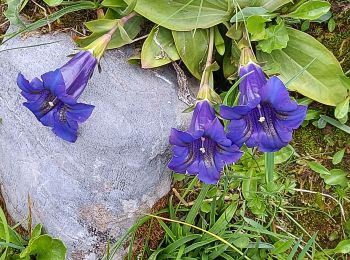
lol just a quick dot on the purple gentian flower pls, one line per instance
(53, 99)
(204, 149)
(266, 115)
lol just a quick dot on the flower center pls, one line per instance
(202, 149)
(49, 102)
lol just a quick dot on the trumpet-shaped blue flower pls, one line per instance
(266, 115)
(204, 149)
(53, 98)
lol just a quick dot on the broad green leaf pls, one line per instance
(185, 15)
(14, 238)
(158, 49)
(192, 48)
(321, 81)
(45, 248)
(342, 109)
(276, 38)
(319, 168)
(36, 231)
(114, 3)
(249, 185)
(269, 5)
(13, 9)
(331, 25)
(205, 207)
(256, 26)
(310, 10)
(343, 247)
(280, 156)
(246, 12)
(338, 156)
(219, 41)
(336, 177)
(53, 2)
(282, 246)
(102, 26)
(242, 241)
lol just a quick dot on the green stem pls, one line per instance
(269, 165)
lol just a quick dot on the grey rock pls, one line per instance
(91, 191)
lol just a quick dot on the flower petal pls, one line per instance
(67, 130)
(53, 81)
(226, 155)
(292, 119)
(250, 85)
(25, 86)
(180, 138)
(79, 112)
(77, 72)
(203, 114)
(276, 93)
(208, 174)
(234, 113)
(216, 132)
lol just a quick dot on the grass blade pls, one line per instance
(336, 123)
(196, 207)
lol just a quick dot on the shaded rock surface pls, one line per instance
(91, 191)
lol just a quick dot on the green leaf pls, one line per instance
(282, 246)
(336, 177)
(343, 247)
(342, 109)
(331, 25)
(121, 37)
(53, 2)
(192, 48)
(219, 41)
(225, 218)
(45, 248)
(249, 185)
(256, 26)
(242, 241)
(13, 9)
(158, 49)
(246, 12)
(319, 168)
(310, 10)
(276, 38)
(336, 123)
(195, 208)
(81, 5)
(114, 3)
(338, 156)
(36, 231)
(205, 207)
(321, 81)
(307, 247)
(305, 25)
(184, 15)
(173, 246)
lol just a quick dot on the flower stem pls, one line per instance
(269, 165)
(205, 88)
